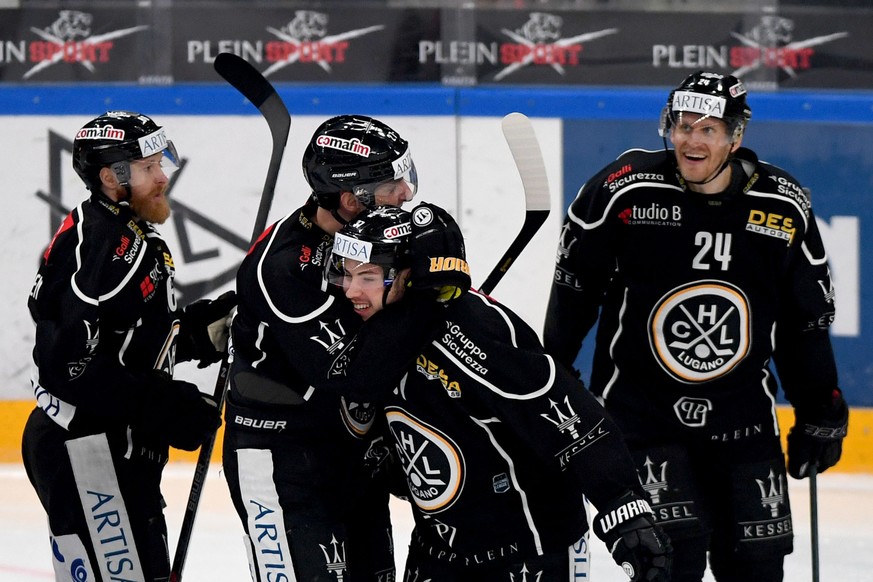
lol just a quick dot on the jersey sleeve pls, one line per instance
(803, 353)
(584, 266)
(553, 414)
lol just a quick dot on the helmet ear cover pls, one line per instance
(122, 171)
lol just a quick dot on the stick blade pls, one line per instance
(528, 158)
(526, 152)
(244, 77)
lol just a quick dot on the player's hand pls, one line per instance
(398, 287)
(817, 436)
(639, 545)
(175, 412)
(439, 259)
(204, 329)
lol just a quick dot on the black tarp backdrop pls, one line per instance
(790, 48)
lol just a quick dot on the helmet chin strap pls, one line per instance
(336, 215)
(128, 193)
(367, 202)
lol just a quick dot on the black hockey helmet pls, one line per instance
(711, 95)
(116, 138)
(377, 236)
(355, 153)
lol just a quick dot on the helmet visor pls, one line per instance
(146, 170)
(703, 128)
(354, 261)
(346, 273)
(393, 191)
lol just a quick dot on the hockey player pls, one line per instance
(498, 444)
(705, 264)
(299, 449)
(108, 333)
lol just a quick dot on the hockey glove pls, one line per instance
(176, 413)
(203, 331)
(639, 545)
(439, 259)
(817, 436)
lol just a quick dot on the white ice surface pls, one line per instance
(845, 516)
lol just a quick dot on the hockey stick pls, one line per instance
(248, 81)
(813, 517)
(528, 157)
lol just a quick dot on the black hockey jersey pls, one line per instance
(105, 312)
(697, 292)
(298, 332)
(498, 442)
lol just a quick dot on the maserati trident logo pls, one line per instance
(336, 561)
(565, 242)
(525, 575)
(565, 421)
(772, 493)
(334, 341)
(654, 484)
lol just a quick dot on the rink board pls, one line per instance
(857, 449)
(463, 164)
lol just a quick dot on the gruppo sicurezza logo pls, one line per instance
(181, 217)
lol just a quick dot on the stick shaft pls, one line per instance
(813, 519)
(248, 81)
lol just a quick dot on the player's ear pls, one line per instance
(349, 204)
(108, 177)
(736, 145)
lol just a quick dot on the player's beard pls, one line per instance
(152, 207)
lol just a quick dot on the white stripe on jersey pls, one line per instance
(284, 316)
